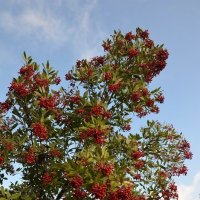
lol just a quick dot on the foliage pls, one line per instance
(77, 143)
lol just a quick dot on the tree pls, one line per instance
(77, 143)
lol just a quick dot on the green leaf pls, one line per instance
(8, 194)
(85, 95)
(2, 191)
(16, 112)
(15, 196)
(24, 55)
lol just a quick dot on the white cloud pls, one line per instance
(34, 24)
(190, 192)
(57, 22)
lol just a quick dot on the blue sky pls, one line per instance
(63, 31)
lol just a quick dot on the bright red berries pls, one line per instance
(76, 182)
(41, 82)
(107, 76)
(47, 102)
(1, 160)
(107, 115)
(129, 36)
(155, 109)
(75, 99)
(96, 134)
(139, 164)
(89, 73)
(124, 193)
(177, 171)
(162, 55)
(127, 127)
(4, 106)
(163, 174)
(68, 76)
(19, 88)
(137, 154)
(98, 191)
(150, 103)
(149, 43)
(184, 145)
(55, 153)
(47, 178)
(30, 157)
(137, 176)
(171, 192)
(106, 169)
(132, 52)
(114, 87)
(27, 71)
(144, 92)
(57, 80)
(9, 146)
(160, 99)
(106, 46)
(40, 130)
(98, 60)
(185, 148)
(143, 34)
(97, 110)
(135, 96)
(188, 155)
(79, 194)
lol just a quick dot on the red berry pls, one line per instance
(1, 160)
(76, 182)
(137, 154)
(149, 103)
(107, 76)
(132, 52)
(129, 36)
(47, 178)
(40, 130)
(30, 157)
(98, 191)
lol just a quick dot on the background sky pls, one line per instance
(63, 31)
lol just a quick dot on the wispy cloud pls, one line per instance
(190, 192)
(35, 24)
(57, 22)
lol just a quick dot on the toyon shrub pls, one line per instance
(76, 142)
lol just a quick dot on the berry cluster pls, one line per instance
(30, 157)
(27, 72)
(98, 135)
(48, 103)
(105, 169)
(1, 160)
(9, 146)
(171, 192)
(4, 106)
(40, 130)
(114, 87)
(124, 193)
(76, 182)
(41, 82)
(79, 194)
(47, 178)
(19, 88)
(137, 154)
(55, 153)
(98, 191)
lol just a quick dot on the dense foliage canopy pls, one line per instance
(76, 142)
